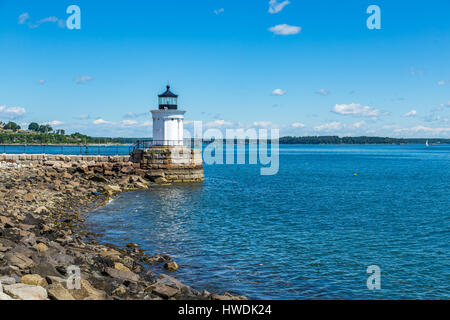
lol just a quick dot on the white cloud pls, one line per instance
(129, 122)
(444, 105)
(82, 79)
(442, 82)
(124, 124)
(323, 92)
(411, 113)
(23, 18)
(355, 109)
(275, 7)
(59, 22)
(218, 124)
(262, 124)
(48, 19)
(11, 112)
(146, 124)
(359, 124)
(55, 123)
(297, 125)
(278, 92)
(219, 11)
(101, 121)
(423, 129)
(329, 126)
(132, 115)
(285, 29)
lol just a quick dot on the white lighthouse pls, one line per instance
(168, 121)
(166, 159)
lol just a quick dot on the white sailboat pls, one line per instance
(427, 144)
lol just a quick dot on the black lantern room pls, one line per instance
(168, 100)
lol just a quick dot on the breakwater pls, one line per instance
(159, 165)
(43, 236)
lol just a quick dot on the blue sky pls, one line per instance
(305, 67)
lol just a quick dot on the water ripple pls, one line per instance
(307, 233)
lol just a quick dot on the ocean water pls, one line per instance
(309, 232)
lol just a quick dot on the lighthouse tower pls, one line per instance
(168, 121)
(166, 159)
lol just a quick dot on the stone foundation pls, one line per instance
(157, 164)
(175, 164)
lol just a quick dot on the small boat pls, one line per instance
(427, 144)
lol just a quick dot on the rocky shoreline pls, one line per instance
(43, 238)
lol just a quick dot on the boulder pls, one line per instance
(29, 197)
(40, 247)
(122, 274)
(45, 269)
(120, 266)
(66, 165)
(119, 291)
(57, 291)
(127, 170)
(25, 292)
(163, 290)
(66, 175)
(112, 254)
(174, 283)
(88, 292)
(19, 260)
(124, 181)
(41, 210)
(98, 178)
(5, 280)
(111, 189)
(34, 280)
(215, 296)
(26, 227)
(160, 180)
(5, 220)
(4, 296)
(55, 279)
(160, 258)
(171, 266)
(62, 258)
(132, 245)
(140, 185)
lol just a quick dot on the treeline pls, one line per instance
(33, 127)
(358, 140)
(117, 140)
(53, 138)
(12, 133)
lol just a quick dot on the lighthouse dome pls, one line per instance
(168, 99)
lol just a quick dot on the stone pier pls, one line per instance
(176, 164)
(157, 164)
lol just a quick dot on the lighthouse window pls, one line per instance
(167, 101)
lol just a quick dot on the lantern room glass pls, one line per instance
(167, 101)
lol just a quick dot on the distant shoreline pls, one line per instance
(67, 144)
(8, 138)
(208, 142)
